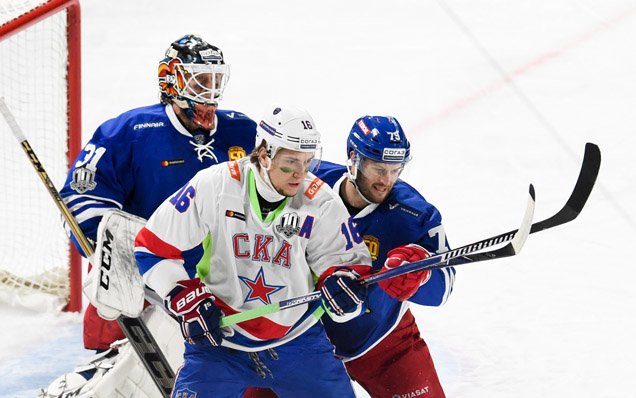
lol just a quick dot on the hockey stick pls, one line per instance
(574, 205)
(515, 238)
(135, 329)
(590, 167)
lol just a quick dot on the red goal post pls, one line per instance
(40, 80)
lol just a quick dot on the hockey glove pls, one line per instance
(193, 305)
(404, 286)
(343, 295)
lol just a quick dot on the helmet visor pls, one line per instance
(202, 83)
(289, 161)
(379, 171)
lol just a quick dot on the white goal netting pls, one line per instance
(34, 249)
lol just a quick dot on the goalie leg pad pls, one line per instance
(119, 372)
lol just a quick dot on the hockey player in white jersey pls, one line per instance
(132, 163)
(275, 232)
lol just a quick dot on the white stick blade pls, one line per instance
(13, 124)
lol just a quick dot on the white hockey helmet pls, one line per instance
(289, 127)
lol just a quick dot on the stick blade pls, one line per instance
(581, 192)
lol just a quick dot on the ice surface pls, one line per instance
(494, 95)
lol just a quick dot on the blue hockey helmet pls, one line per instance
(379, 138)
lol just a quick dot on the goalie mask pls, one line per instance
(377, 152)
(193, 75)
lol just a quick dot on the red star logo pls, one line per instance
(259, 289)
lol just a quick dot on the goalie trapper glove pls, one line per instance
(404, 286)
(193, 305)
(343, 295)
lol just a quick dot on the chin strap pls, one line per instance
(352, 177)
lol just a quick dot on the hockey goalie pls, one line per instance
(115, 288)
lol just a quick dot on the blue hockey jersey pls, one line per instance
(404, 217)
(136, 160)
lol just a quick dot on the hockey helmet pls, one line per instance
(291, 128)
(379, 138)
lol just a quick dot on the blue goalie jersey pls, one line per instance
(136, 160)
(404, 217)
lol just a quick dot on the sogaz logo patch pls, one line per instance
(393, 154)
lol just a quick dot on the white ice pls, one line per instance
(494, 95)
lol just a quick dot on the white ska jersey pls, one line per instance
(252, 262)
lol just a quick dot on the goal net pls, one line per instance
(39, 80)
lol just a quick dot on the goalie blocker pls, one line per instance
(114, 285)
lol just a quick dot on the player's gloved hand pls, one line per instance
(193, 305)
(343, 295)
(404, 286)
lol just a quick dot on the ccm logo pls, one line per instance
(191, 297)
(104, 266)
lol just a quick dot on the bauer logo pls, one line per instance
(393, 154)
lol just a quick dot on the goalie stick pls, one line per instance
(574, 205)
(135, 329)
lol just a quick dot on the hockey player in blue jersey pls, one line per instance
(136, 160)
(382, 349)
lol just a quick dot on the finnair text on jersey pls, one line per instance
(148, 125)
